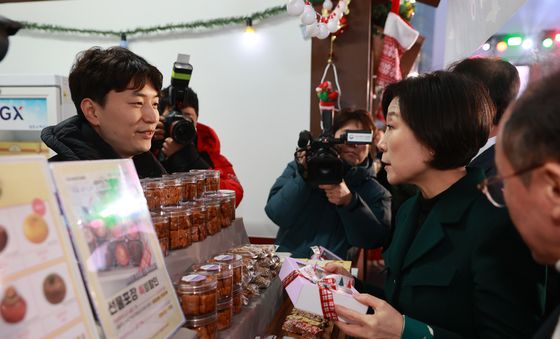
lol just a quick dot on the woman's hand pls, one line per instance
(336, 269)
(385, 323)
(338, 194)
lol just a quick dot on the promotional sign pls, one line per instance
(41, 292)
(23, 114)
(118, 249)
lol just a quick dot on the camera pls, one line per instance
(177, 126)
(324, 165)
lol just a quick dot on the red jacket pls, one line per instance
(208, 142)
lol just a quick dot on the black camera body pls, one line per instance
(176, 125)
(324, 165)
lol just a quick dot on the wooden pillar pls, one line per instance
(352, 59)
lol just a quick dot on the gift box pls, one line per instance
(312, 290)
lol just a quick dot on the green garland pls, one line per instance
(189, 26)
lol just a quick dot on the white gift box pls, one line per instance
(305, 294)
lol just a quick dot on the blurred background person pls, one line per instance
(204, 152)
(355, 212)
(502, 81)
(456, 267)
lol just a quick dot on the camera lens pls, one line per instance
(183, 131)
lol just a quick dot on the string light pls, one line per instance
(249, 25)
(501, 46)
(547, 43)
(486, 47)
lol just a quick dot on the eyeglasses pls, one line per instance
(493, 187)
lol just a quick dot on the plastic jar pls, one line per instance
(172, 191)
(198, 294)
(225, 312)
(190, 186)
(179, 234)
(213, 221)
(236, 262)
(161, 226)
(206, 326)
(237, 292)
(224, 275)
(153, 191)
(198, 215)
(212, 180)
(200, 182)
(227, 206)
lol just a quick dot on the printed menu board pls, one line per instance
(117, 247)
(41, 292)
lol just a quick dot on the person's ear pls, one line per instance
(89, 108)
(552, 182)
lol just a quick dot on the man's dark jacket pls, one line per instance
(75, 139)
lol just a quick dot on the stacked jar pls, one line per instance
(236, 262)
(212, 204)
(179, 226)
(198, 298)
(172, 191)
(200, 178)
(189, 181)
(161, 226)
(153, 191)
(198, 220)
(227, 206)
(224, 275)
(211, 179)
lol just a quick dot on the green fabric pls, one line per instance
(467, 272)
(414, 329)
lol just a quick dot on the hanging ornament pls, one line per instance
(327, 95)
(311, 30)
(295, 7)
(322, 31)
(342, 26)
(309, 16)
(332, 24)
(331, 20)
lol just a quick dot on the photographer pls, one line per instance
(202, 153)
(355, 212)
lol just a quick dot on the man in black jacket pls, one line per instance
(501, 78)
(528, 162)
(116, 94)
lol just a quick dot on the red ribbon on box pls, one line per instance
(291, 277)
(326, 286)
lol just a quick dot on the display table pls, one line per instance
(178, 261)
(254, 318)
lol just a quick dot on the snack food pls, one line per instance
(237, 300)
(205, 326)
(197, 294)
(225, 312)
(224, 276)
(236, 263)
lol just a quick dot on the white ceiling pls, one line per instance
(533, 17)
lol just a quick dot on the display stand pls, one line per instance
(254, 318)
